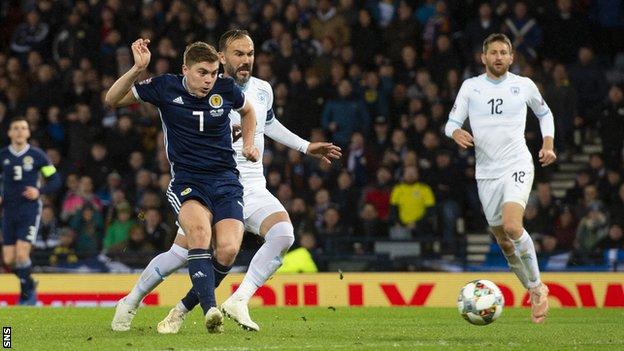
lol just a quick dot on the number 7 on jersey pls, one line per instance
(201, 119)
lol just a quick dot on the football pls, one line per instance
(480, 302)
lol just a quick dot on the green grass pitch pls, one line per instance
(342, 328)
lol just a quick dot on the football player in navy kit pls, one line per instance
(205, 191)
(21, 166)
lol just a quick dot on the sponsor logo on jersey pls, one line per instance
(216, 113)
(514, 90)
(186, 191)
(215, 101)
(28, 163)
(146, 81)
(178, 100)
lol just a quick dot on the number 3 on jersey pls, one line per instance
(201, 119)
(495, 106)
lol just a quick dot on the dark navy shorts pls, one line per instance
(21, 224)
(222, 196)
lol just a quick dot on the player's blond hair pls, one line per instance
(494, 37)
(200, 51)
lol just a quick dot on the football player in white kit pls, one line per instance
(496, 104)
(263, 214)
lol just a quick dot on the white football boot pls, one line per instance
(172, 323)
(237, 310)
(214, 320)
(124, 313)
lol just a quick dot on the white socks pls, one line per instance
(156, 271)
(526, 251)
(267, 260)
(516, 266)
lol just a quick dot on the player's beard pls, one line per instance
(498, 72)
(233, 72)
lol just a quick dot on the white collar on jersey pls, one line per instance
(20, 153)
(496, 81)
(186, 87)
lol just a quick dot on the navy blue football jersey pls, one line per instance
(197, 132)
(21, 169)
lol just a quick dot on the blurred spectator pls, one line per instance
(345, 115)
(565, 229)
(403, 31)
(610, 123)
(523, 31)
(564, 32)
(83, 195)
(300, 216)
(613, 240)
(561, 98)
(588, 79)
(30, 35)
(591, 230)
(158, 233)
(332, 232)
(369, 225)
(448, 191)
(64, 253)
(89, 227)
(346, 197)
(378, 194)
(328, 22)
(118, 230)
(135, 251)
(48, 234)
(412, 203)
(478, 29)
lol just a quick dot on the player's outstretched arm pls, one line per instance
(248, 124)
(120, 93)
(321, 150)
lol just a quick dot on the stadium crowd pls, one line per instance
(377, 78)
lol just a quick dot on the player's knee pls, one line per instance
(22, 257)
(282, 234)
(506, 245)
(226, 254)
(198, 235)
(512, 229)
(8, 260)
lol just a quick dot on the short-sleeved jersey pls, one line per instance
(497, 111)
(197, 132)
(412, 201)
(260, 94)
(22, 169)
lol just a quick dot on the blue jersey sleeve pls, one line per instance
(238, 98)
(270, 116)
(47, 169)
(150, 90)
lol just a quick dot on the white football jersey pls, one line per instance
(497, 112)
(260, 94)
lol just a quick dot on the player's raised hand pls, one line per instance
(31, 193)
(547, 157)
(463, 138)
(324, 151)
(141, 53)
(251, 153)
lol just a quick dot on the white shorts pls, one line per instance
(514, 186)
(259, 204)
